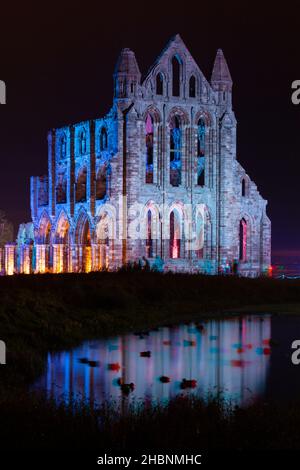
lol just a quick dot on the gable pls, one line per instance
(188, 68)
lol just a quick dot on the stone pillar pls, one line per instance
(103, 256)
(87, 258)
(27, 259)
(10, 250)
(41, 258)
(96, 257)
(58, 258)
(75, 257)
(80, 258)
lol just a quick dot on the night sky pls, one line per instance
(57, 61)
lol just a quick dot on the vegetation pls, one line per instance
(50, 312)
(33, 423)
(6, 230)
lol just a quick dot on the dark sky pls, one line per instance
(57, 61)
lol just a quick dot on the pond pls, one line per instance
(245, 358)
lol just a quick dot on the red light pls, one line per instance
(115, 366)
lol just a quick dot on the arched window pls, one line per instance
(103, 139)
(243, 187)
(61, 188)
(176, 62)
(149, 148)
(201, 153)
(199, 236)
(175, 151)
(159, 84)
(243, 240)
(174, 235)
(81, 186)
(82, 143)
(192, 87)
(63, 146)
(101, 182)
(149, 241)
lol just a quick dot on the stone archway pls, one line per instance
(61, 261)
(83, 243)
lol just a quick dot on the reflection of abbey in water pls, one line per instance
(231, 356)
(169, 139)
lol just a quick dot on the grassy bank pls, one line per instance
(46, 312)
(42, 313)
(185, 424)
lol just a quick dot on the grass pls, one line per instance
(186, 423)
(52, 312)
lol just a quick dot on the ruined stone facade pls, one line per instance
(156, 179)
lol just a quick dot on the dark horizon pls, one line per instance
(58, 67)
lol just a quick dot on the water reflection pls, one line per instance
(229, 355)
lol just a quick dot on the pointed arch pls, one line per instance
(63, 146)
(83, 225)
(200, 230)
(243, 240)
(105, 236)
(150, 228)
(61, 260)
(175, 234)
(159, 84)
(82, 142)
(103, 139)
(61, 187)
(101, 182)
(176, 64)
(81, 185)
(245, 186)
(83, 240)
(44, 229)
(176, 223)
(201, 146)
(149, 137)
(62, 228)
(175, 150)
(192, 86)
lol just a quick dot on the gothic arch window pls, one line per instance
(81, 185)
(159, 84)
(103, 139)
(149, 236)
(149, 148)
(82, 142)
(63, 146)
(201, 152)
(175, 151)
(243, 240)
(176, 65)
(175, 234)
(61, 188)
(244, 187)
(101, 182)
(199, 236)
(192, 87)
(61, 252)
